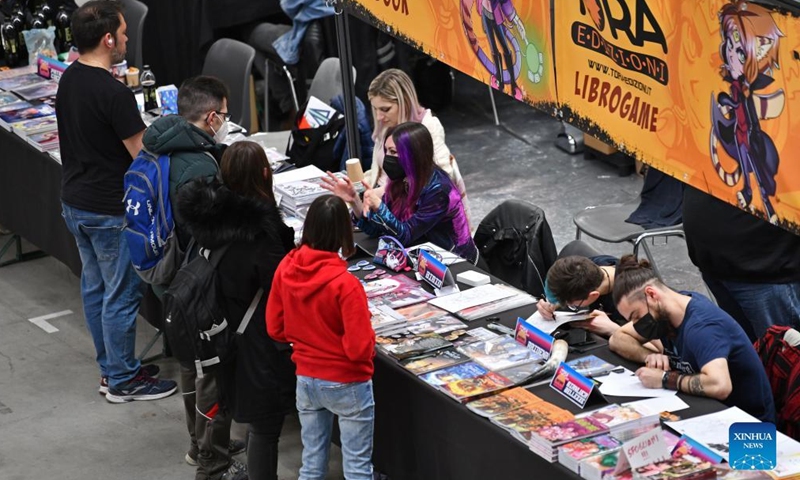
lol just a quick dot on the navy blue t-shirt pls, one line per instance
(708, 333)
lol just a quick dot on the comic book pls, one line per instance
(499, 353)
(441, 325)
(453, 373)
(590, 366)
(503, 402)
(470, 388)
(413, 345)
(434, 361)
(395, 292)
(571, 454)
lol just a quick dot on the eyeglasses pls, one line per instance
(576, 308)
(225, 115)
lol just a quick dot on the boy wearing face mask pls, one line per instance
(192, 139)
(694, 346)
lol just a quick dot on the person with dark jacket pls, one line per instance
(258, 386)
(192, 141)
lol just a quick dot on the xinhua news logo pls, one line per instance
(753, 446)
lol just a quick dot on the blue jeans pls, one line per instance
(317, 402)
(110, 289)
(757, 306)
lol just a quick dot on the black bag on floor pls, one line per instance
(314, 146)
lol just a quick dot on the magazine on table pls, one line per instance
(503, 402)
(453, 373)
(35, 125)
(26, 113)
(470, 388)
(590, 366)
(395, 291)
(516, 299)
(414, 345)
(21, 81)
(46, 89)
(7, 98)
(44, 141)
(434, 361)
(441, 325)
(500, 353)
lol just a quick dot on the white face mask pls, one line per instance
(219, 135)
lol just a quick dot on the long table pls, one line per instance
(420, 433)
(30, 206)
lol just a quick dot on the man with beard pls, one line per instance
(694, 346)
(100, 132)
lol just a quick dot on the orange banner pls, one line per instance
(701, 90)
(705, 90)
(479, 38)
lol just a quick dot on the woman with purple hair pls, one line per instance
(420, 203)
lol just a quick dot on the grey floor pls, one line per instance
(54, 425)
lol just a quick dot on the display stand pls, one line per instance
(16, 242)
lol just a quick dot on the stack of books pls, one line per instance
(384, 319)
(546, 440)
(406, 345)
(45, 141)
(522, 422)
(571, 454)
(500, 353)
(624, 422)
(430, 362)
(601, 466)
(17, 120)
(297, 196)
(395, 292)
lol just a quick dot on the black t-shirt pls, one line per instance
(727, 243)
(95, 113)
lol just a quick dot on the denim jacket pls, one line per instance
(438, 218)
(302, 13)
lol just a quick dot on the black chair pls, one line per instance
(517, 245)
(232, 61)
(135, 13)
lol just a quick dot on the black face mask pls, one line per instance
(391, 165)
(649, 328)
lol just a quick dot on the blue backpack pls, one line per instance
(149, 226)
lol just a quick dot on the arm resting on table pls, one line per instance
(626, 343)
(714, 381)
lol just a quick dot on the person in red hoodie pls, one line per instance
(319, 307)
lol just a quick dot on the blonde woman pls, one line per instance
(394, 101)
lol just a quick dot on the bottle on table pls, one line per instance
(10, 41)
(148, 82)
(63, 30)
(48, 14)
(19, 20)
(38, 20)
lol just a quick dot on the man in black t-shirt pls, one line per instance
(100, 131)
(582, 279)
(751, 266)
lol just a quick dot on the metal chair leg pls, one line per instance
(291, 85)
(266, 95)
(577, 233)
(149, 346)
(494, 106)
(651, 259)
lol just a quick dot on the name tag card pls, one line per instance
(643, 450)
(533, 338)
(572, 385)
(436, 274)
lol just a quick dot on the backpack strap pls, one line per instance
(250, 311)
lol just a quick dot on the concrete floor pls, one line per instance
(53, 424)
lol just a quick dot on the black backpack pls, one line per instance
(314, 146)
(197, 327)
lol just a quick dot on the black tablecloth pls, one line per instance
(420, 433)
(30, 206)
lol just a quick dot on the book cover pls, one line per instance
(499, 353)
(580, 449)
(467, 388)
(514, 299)
(453, 373)
(598, 466)
(503, 402)
(590, 366)
(35, 125)
(532, 417)
(395, 291)
(46, 89)
(439, 325)
(383, 318)
(574, 429)
(615, 415)
(434, 361)
(27, 113)
(44, 141)
(475, 335)
(21, 81)
(676, 468)
(421, 311)
(19, 104)
(7, 98)
(522, 372)
(416, 345)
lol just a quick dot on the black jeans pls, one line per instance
(262, 448)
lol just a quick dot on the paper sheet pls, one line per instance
(712, 430)
(297, 174)
(654, 406)
(627, 384)
(472, 297)
(448, 257)
(548, 326)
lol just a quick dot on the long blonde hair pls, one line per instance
(395, 86)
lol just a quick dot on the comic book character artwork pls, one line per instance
(500, 20)
(749, 51)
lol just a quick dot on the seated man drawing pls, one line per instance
(694, 346)
(583, 279)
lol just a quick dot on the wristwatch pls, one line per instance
(664, 377)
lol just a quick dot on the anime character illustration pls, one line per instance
(749, 51)
(499, 18)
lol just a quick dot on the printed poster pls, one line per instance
(502, 43)
(704, 91)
